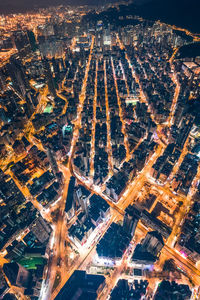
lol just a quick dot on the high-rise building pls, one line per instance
(41, 229)
(18, 77)
(29, 105)
(21, 42)
(32, 40)
(152, 243)
(48, 74)
(52, 160)
(3, 84)
(20, 39)
(81, 199)
(131, 218)
(3, 117)
(16, 274)
(56, 69)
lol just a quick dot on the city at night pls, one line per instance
(99, 150)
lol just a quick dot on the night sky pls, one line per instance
(23, 5)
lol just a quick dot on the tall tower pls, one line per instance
(152, 243)
(32, 40)
(29, 104)
(16, 274)
(41, 229)
(52, 160)
(18, 76)
(49, 77)
(81, 199)
(131, 218)
(3, 84)
(21, 40)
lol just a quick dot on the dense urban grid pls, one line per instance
(99, 158)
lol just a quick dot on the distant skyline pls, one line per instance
(184, 13)
(24, 5)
